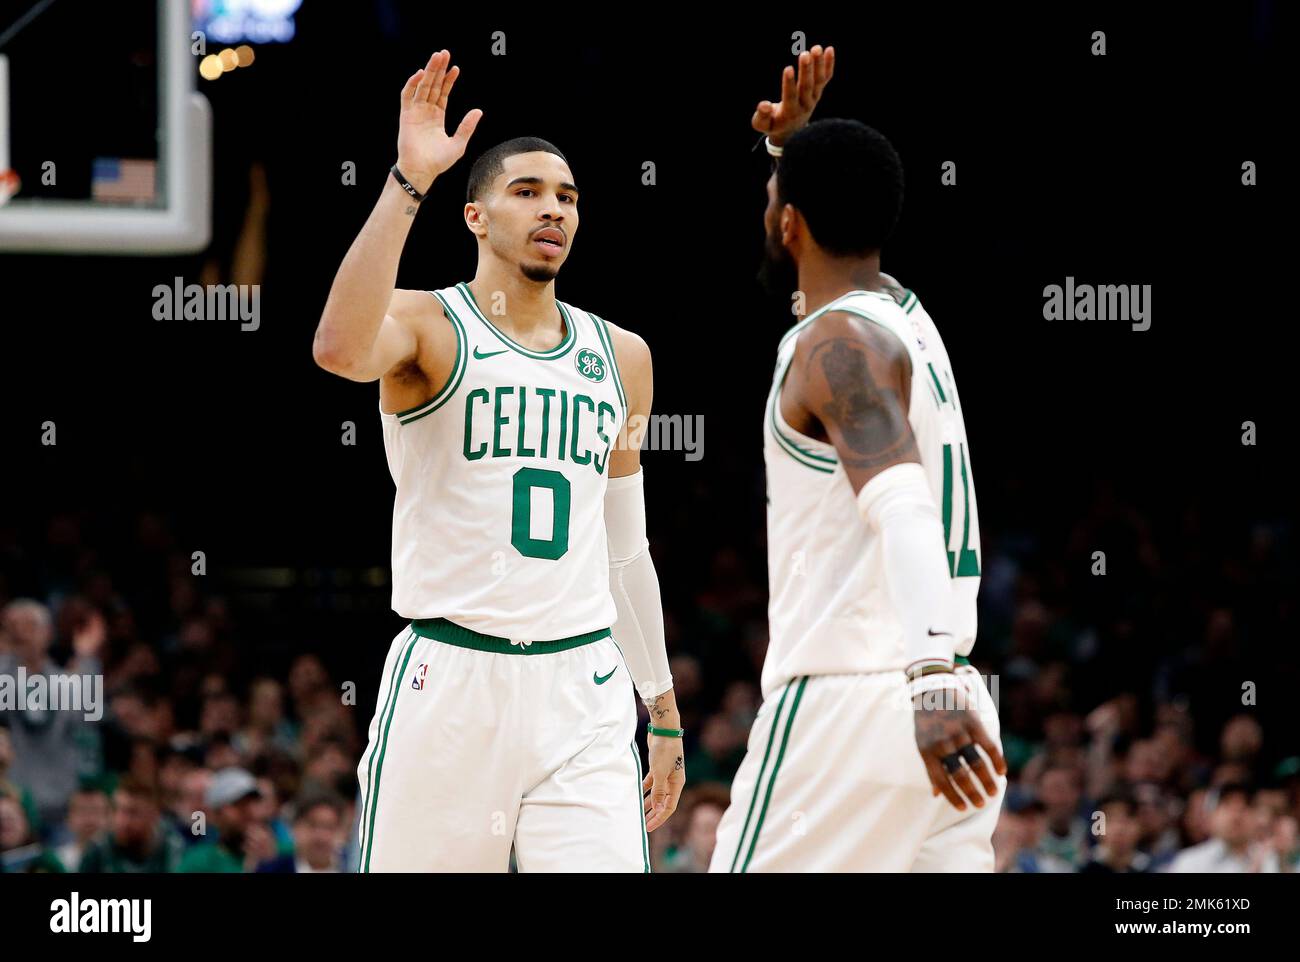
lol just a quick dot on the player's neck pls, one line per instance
(823, 278)
(519, 307)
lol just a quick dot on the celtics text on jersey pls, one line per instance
(498, 519)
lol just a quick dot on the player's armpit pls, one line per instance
(854, 378)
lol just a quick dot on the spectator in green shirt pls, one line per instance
(138, 840)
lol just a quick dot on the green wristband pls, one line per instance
(665, 732)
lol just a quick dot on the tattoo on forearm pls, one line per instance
(870, 417)
(410, 210)
(656, 708)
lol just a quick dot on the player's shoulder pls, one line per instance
(421, 312)
(852, 326)
(630, 347)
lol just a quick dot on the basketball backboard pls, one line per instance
(100, 121)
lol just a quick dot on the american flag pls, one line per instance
(116, 180)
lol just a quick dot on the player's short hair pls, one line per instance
(846, 179)
(490, 163)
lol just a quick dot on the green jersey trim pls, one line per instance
(450, 633)
(558, 351)
(453, 379)
(791, 447)
(602, 333)
(822, 310)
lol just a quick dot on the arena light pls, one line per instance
(210, 67)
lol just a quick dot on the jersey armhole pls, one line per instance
(605, 338)
(790, 445)
(453, 379)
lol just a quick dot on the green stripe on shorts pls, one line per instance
(771, 782)
(372, 796)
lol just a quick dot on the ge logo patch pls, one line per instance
(590, 365)
(418, 681)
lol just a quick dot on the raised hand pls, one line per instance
(799, 95)
(424, 150)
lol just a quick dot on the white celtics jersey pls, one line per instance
(498, 521)
(830, 611)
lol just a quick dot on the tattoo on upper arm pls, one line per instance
(410, 210)
(869, 415)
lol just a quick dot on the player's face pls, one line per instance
(778, 274)
(532, 214)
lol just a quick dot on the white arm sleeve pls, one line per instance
(898, 504)
(639, 630)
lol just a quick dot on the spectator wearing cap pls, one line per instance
(1230, 847)
(139, 840)
(229, 802)
(1117, 850)
(318, 827)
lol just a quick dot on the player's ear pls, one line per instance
(789, 217)
(476, 219)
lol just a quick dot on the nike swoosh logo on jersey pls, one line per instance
(601, 679)
(935, 634)
(488, 354)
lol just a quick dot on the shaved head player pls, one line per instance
(876, 747)
(505, 714)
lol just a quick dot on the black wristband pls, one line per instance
(406, 185)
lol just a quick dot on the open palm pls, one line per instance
(424, 150)
(799, 95)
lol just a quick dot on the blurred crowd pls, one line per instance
(1129, 714)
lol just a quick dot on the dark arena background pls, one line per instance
(1136, 490)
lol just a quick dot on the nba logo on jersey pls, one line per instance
(418, 681)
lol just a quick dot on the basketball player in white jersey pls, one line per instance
(505, 716)
(876, 747)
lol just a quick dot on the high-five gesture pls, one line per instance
(799, 95)
(424, 150)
